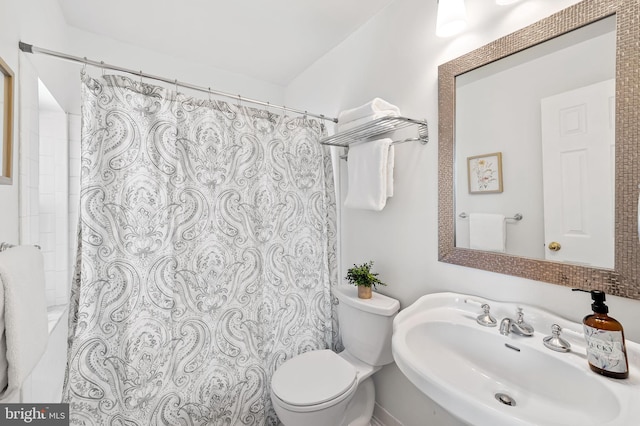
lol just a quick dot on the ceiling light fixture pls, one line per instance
(451, 18)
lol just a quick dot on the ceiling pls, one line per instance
(270, 40)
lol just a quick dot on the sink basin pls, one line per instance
(485, 378)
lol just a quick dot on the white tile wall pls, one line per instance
(54, 203)
(44, 183)
(29, 203)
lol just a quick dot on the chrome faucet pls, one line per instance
(507, 325)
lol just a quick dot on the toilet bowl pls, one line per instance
(313, 389)
(321, 388)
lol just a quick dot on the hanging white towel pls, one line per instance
(487, 231)
(23, 317)
(372, 107)
(391, 158)
(368, 175)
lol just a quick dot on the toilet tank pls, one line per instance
(366, 324)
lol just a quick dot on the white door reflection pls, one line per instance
(578, 163)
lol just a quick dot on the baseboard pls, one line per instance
(381, 417)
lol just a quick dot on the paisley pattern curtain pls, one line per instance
(207, 249)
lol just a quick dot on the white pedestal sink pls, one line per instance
(475, 372)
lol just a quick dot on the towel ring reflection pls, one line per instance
(516, 216)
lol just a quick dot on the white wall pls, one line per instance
(395, 56)
(9, 229)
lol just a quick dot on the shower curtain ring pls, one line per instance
(102, 67)
(239, 101)
(140, 76)
(209, 94)
(84, 67)
(176, 83)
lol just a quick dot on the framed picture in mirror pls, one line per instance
(485, 173)
(6, 123)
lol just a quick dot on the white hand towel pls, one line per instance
(343, 126)
(487, 231)
(368, 175)
(24, 330)
(373, 106)
(391, 158)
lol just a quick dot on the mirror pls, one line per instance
(556, 128)
(475, 124)
(6, 123)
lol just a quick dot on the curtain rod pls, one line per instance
(29, 48)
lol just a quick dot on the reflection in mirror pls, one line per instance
(550, 111)
(6, 123)
(468, 130)
(2, 104)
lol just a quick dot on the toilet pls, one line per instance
(320, 388)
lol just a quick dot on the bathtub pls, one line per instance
(44, 384)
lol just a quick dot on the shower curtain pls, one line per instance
(206, 254)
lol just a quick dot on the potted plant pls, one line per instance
(362, 276)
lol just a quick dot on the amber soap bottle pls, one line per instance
(606, 350)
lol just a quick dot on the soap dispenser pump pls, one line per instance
(606, 351)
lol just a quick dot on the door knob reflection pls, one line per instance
(554, 246)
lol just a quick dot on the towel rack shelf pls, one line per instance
(377, 127)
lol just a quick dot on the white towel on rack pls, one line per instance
(23, 317)
(348, 125)
(368, 174)
(487, 231)
(372, 107)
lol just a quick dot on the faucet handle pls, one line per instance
(485, 319)
(528, 328)
(555, 342)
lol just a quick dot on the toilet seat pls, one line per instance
(313, 378)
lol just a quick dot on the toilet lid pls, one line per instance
(313, 378)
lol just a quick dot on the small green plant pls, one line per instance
(362, 275)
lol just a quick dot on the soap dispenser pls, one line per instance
(606, 351)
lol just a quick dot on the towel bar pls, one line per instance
(377, 127)
(516, 216)
(398, 142)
